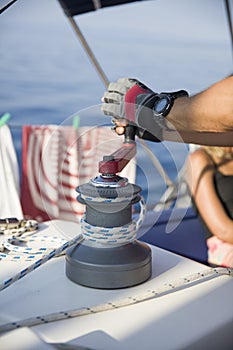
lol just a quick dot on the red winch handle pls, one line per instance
(116, 162)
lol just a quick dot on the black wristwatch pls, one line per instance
(163, 104)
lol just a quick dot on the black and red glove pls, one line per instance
(129, 101)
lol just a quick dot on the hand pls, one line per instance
(130, 101)
(123, 97)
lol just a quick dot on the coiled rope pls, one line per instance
(113, 235)
(116, 304)
(16, 228)
(22, 253)
(42, 260)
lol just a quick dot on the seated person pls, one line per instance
(210, 180)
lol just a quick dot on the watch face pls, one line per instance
(161, 104)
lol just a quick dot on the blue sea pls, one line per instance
(46, 76)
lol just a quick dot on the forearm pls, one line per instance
(206, 117)
(226, 236)
(222, 229)
(200, 138)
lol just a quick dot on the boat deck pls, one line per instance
(179, 307)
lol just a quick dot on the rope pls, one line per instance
(6, 6)
(125, 199)
(15, 227)
(113, 235)
(116, 304)
(110, 235)
(40, 261)
(22, 253)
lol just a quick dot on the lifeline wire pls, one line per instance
(116, 304)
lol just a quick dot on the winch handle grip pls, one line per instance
(115, 162)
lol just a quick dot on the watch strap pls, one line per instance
(176, 94)
(172, 96)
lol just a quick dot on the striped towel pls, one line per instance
(55, 161)
(9, 177)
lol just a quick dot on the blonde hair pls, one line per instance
(219, 152)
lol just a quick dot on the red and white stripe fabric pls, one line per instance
(55, 161)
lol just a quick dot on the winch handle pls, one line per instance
(115, 162)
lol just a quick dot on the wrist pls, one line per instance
(177, 118)
(161, 112)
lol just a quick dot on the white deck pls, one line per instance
(195, 317)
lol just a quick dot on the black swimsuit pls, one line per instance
(224, 188)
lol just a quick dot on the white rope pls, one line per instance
(116, 304)
(114, 235)
(40, 261)
(22, 226)
(17, 228)
(125, 199)
(22, 253)
(110, 235)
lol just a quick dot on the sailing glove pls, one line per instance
(130, 100)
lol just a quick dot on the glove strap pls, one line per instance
(132, 97)
(145, 119)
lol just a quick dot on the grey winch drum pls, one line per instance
(97, 265)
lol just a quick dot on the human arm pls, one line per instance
(205, 118)
(200, 172)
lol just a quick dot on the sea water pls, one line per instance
(46, 76)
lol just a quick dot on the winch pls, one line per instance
(110, 257)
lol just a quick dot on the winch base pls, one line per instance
(109, 268)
